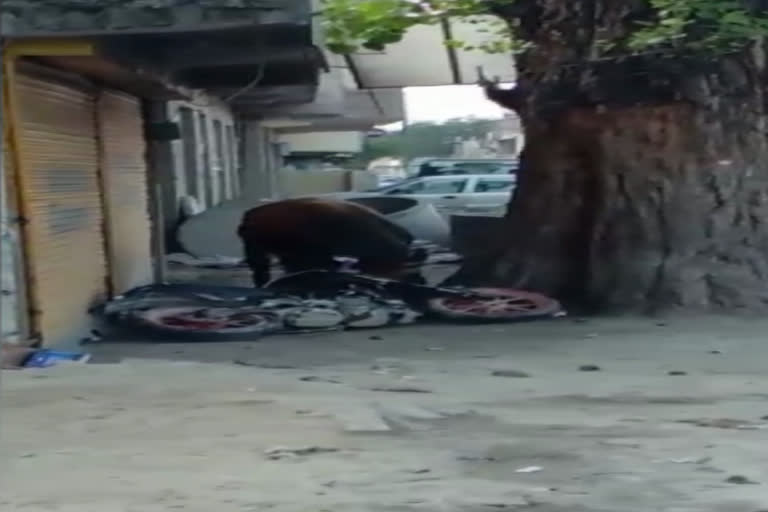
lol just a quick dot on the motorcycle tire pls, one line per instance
(205, 324)
(501, 305)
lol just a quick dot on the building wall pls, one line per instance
(206, 159)
(304, 183)
(51, 16)
(505, 140)
(511, 146)
(510, 135)
(261, 162)
(324, 142)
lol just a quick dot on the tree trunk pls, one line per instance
(644, 182)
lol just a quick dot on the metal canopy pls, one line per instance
(252, 68)
(422, 58)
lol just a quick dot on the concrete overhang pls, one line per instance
(134, 80)
(79, 18)
(253, 64)
(251, 69)
(83, 58)
(268, 100)
(359, 110)
(278, 123)
(339, 124)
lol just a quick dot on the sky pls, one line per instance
(439, 104)
(446, 102)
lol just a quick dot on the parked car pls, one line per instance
(423, 205)
(479, 194)
(419, 167)
(387, 181)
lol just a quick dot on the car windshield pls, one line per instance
(439, 167)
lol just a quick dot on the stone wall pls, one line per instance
(30, 17)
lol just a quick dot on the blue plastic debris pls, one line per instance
(46, 358)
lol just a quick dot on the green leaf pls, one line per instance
(710, 26)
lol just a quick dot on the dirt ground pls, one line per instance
(407, 419)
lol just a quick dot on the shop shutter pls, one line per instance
(124, 175)
(61, 188)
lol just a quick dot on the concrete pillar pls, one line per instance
(258, 165)
(161, 192)
(275, 163)
(10, 305)
(163, 170)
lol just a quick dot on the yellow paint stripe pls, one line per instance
(50, 48)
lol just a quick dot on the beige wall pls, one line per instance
(324, 142)
(302, 183)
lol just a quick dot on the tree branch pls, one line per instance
(512, 99)
(507, 9)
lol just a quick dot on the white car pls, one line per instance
(480, 194)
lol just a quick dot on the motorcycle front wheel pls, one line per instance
(495, 304)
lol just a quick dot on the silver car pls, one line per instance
(479, 194)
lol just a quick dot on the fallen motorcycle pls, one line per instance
(448, 303)
(311, 301)
(190, 312)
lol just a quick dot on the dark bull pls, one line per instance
(306, 234)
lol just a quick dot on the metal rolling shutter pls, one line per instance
(124, 175)
(61, 188)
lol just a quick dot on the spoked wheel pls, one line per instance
(208, 324)
(495, 304)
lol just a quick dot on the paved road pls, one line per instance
(409, 419)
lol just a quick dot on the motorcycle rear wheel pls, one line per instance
(497, 305)
(195, 323)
